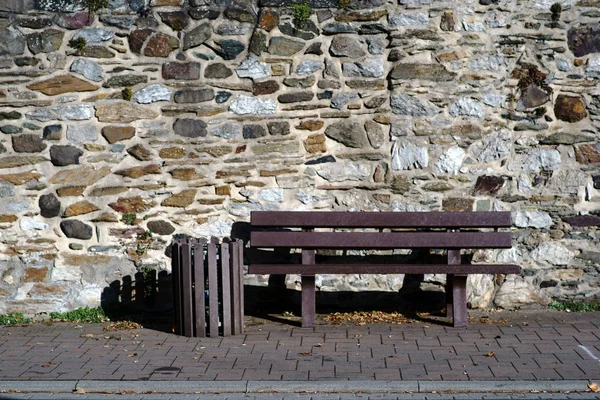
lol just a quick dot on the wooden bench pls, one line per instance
(451, 231)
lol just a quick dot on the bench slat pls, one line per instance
(316, 269)
(342, 219)
(382, 240)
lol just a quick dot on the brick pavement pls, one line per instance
(529, 346)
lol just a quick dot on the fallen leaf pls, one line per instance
(594, 387)
(79, 390)
(132, 355)
(305, 353)
(87, 335)
(490, 354)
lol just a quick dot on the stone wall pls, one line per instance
(183, 116)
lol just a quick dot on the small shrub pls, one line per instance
(85, 314)
(129, 218)
(574, 307)
(95, 5)
(556, 9)
(127, 93)
(78, 44)
(14, 318)
(301, 13)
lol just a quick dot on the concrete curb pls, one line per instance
(203, 387)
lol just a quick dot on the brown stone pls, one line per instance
(129, 205)
(315, 143)
(80, 208)
(487, 184)
(62, 84)
(236, 173)
(137, 39)
(588, 153)
(166, 3)
(70, 191)
(21, 178)
(217, 151)
(4, 218)
(569, 108)
(161, 45)
(35, 274)
(457, 204)
(108, 191)
(223, 190)
(80, 176)
(266, 87)
(96, 52)
(185, 174)
(43, 289)
(268, 19)
(106, 217)
(451, 56)
(79, 260)
(360, 16)
(182, 199)
(276, 172)
(139, 152)
(172, 152)
(310, 125)
(114, 134)
(136, 172)
(431, 72)
(210, 202)
(123, 112)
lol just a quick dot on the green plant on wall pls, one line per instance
(78, 44)
(129, 218)
(95, 5)
(556, 10)
(127, 93)
(301, 13)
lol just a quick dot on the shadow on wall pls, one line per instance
(147, 297)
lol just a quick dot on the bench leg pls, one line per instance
(459, 301)
(449, 289)
(308, 301)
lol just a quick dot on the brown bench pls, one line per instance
(451, 231)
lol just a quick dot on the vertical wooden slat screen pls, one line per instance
(208, 276)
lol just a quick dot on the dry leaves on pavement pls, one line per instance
(122, 326)
(594, 387)
(367, 317)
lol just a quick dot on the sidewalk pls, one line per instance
(518, 351)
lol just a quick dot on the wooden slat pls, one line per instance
(382, 240)
(337, 219)
(186, 290)
(235, 284)
(213, 290)
(175, 270)
(199, 301)
(317, 269)
(225, 289)
(240, 271)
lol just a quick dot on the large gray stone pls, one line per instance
(17, 6)
(243, 105)
(340, 100)
(584, 39)
(340, 172)
(197, 36)
(350, 134)
(76, 229)
(346, 46)
(228, 130)
(94, 35)
(49, 205)
(88, 69)
(552, 253)
(7, 189)
(307, 67)
(191, 128)
(253, 68)
(30, 224)
(28, 143)
(369, 68)
(486, 63)
(409, 155)
(467, 106)
(82, 133)
(152, 93)
(404, 104)
(492, 147)
(284, 47)
(542, 159)
(61, 156)
(193, 95)
(430, 72)
(450, 161)
(532, 219)
(13, 43)
(408, 19)
(74, 112)
(47, 41)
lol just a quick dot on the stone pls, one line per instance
(273, 195)
(278, 128)
(121, 81)
(552, 253)
(152, 93)
(17, 6)
(253, 131)
(80, 208)
(28, 143)
(19, 161)
(84, 175)
(252, 68)
(586, 153)
(315, 49)
(13, 43)
(172, 153)
(67, 191)
(96, 52)
(217, 71)
(30, 224)
(532, 219)
(374, 134)
(47, 41)
(139, 152)
(258, 43)
(138, 172)
(137, 38)
(228, 130)
(334, 28)
(315, 143)
(450, 161)
(295, 97)
(113, 133)
(176, 20)
(182, 71)
(10, 115)
(193, 95)
(447, 22)
(542, 159)
(457, 204)
(404, 104)
(268, 19)
(300, 83)
(438, 186)
(369, 68)
(62, 84)
(565, 138)
(569, 108)
(430, 72)
(340, 172)
(310, 125)
(20, 178)
(94, 35)
(160, 227)
(409, 155)
(185, 174)
(307, 67)
(82, 133)
(76, 229)
(265, 87)
(467, 106)
(88, 69)
(284, 47)
(229, 49)
(346, 46)
(350, 134)
(408, 19)
(584, 39)
(308, 32)
(61, 156)
(532, 97)
(375, 101)
(132, 205)
(183, 199)
(11, 129)
(243, 105)
(74, 21)
(7, 189)
(119, 21)
(191, 128)
(493, 147)
(488, 185)
(161, 45)
(123, 112)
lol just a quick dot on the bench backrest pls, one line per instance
(448, 222)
